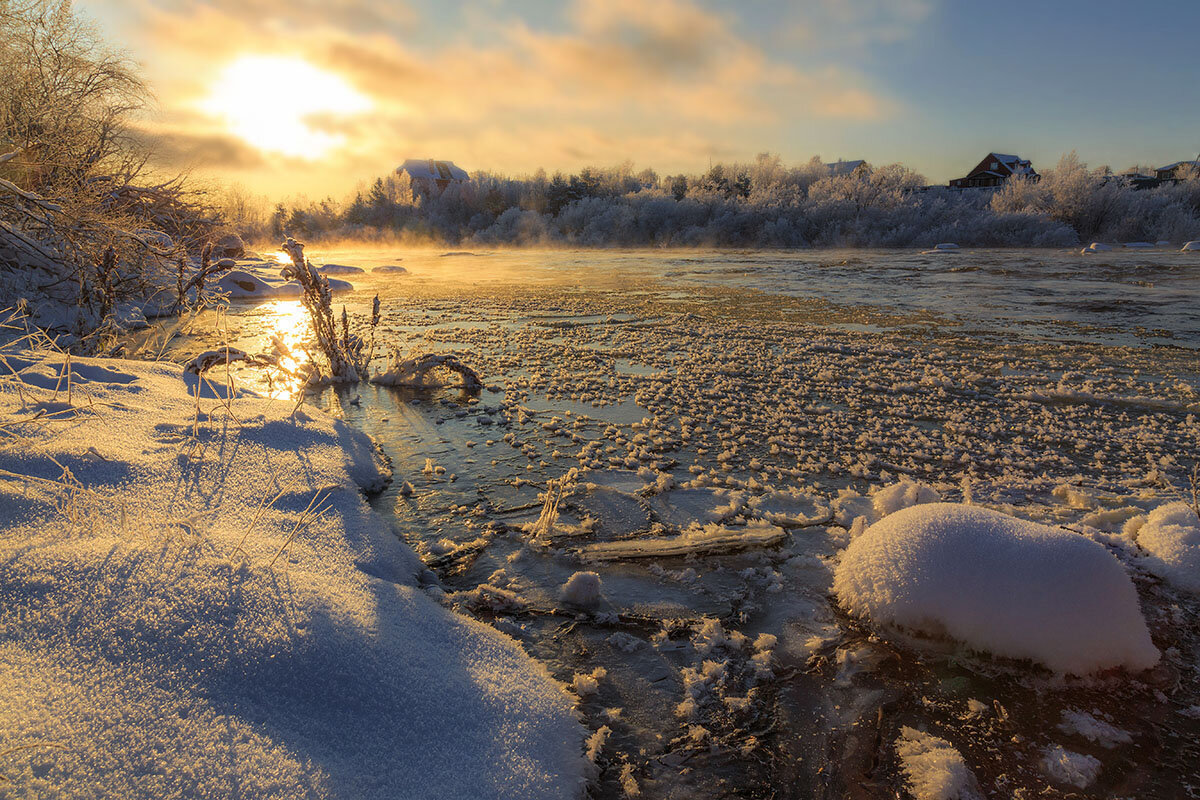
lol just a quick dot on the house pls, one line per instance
(1176, 171)
(839, 168)
(994, 170)
(432, 177)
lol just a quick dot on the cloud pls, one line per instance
(666, 82)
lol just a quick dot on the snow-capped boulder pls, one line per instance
(229, 246)
(339, 269)
(1195, 245)
(944, 247)
(237, 283)
(1097, 247)
(1138, 245)
(999, 584)
(390, 268)
(1171, 536)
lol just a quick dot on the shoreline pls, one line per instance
(198, 598)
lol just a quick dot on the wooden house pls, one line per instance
(994, 170)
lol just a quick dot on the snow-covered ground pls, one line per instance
(721, 447)
(197, 601)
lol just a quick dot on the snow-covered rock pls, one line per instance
(1171, 536)
(999, 584)
(390, 269)
(237, 283)
(1193, 245)
(339, 269)
(229, 246)
(1097, 247)
(1138, 245)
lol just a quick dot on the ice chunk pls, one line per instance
(999, 584)
(582, 589)
(934, 769)
(1092, 729)
(1074, 769)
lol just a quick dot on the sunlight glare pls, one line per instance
(269, 102)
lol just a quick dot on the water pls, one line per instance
(697, 387)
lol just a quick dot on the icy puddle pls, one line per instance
(653, 491)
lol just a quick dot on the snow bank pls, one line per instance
(1171, 536)
(999, 584)
(146, 631)
(934, 769)
(1195, 245)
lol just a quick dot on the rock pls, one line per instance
(229, 246)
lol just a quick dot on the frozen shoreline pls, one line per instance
(150, 649)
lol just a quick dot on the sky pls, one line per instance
(316, 97)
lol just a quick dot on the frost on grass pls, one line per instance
(934, 769)
(1171, 536)
(999, 584)
(198, 607)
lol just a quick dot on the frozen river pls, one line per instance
(716, 423)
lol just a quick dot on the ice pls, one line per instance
(582, 589)
(1070, 768)
(934, 769)
(999, 584)
(1171, 537)
(1094, 730)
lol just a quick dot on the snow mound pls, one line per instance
(1097, 247)
(582, 589)
(1171, 536)
(1194, 245)
(934, 769)
(177, 622)
(390, 268)
(999, 584)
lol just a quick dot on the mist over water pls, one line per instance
(1120, 297)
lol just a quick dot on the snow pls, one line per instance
(1193, 245)
(1097, 247)
(390, 268)
(1075, 769)
(1171, 537)
(999, 584)
(582, 589)
(934, 769)
(147, 632)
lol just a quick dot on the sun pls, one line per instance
(270, 102)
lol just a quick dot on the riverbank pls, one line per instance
(198, 601)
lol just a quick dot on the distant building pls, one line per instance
(1176, 171)
(429, 176)
(839, 167)
(994, 170)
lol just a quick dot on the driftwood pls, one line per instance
(413, 372)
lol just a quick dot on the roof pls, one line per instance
(1178, 164)
(431, 169)
(840, 167)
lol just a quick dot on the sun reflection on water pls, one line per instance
(286, 332)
